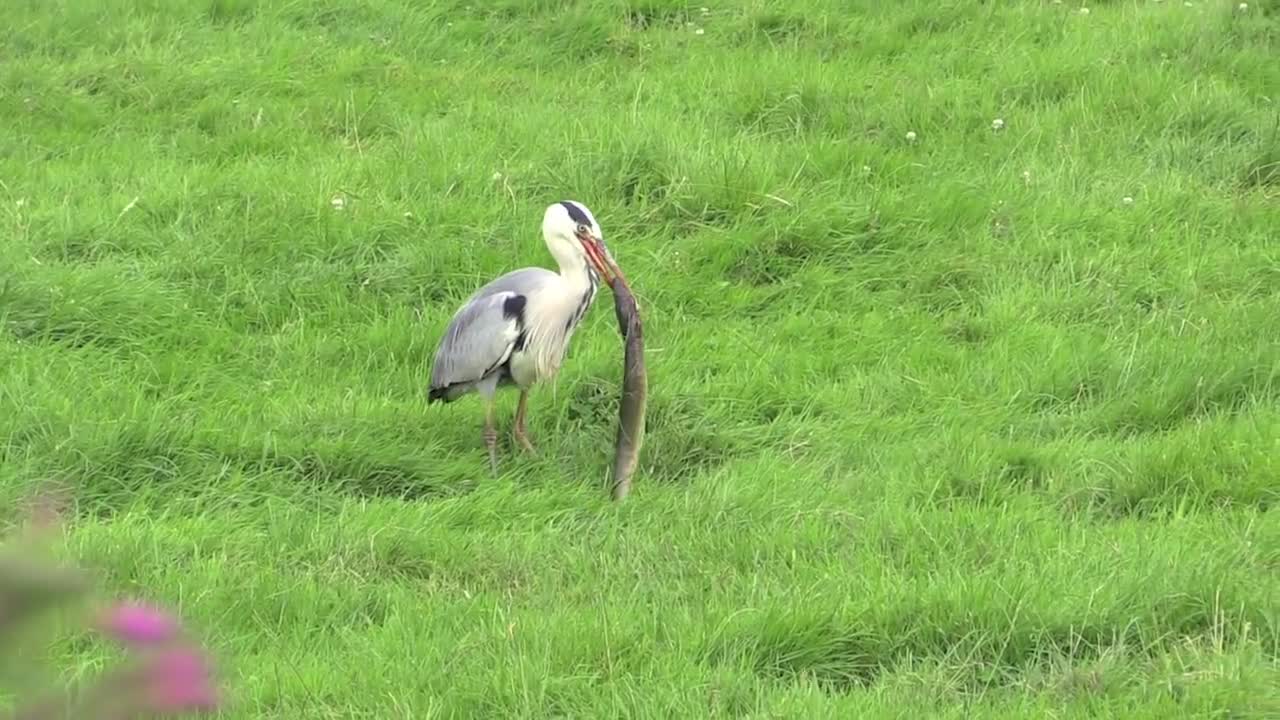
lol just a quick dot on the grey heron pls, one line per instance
(515, 330)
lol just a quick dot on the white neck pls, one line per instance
(573, 265)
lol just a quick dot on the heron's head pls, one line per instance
(572, 232)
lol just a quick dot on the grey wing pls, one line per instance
(478, 340)
(522, 281)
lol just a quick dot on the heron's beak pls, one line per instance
(612, 266)
(601, 260)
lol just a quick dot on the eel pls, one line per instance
(634, 390)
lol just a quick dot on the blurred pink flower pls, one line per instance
(167, 673)
(179, 680)
(138, 625)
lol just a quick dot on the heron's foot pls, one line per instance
(522, 439)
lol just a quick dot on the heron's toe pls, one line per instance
(525, 444)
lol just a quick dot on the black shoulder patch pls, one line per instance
(513, 307)
(575, 213)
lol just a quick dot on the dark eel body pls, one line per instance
(634, 390)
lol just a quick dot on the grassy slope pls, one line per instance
(944, 426)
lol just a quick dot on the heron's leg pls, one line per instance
(491, 434)
(522, 435)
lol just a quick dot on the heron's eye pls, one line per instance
(584, 230)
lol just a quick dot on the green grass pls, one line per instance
(938, 428)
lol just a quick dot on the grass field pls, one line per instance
(974, 422)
